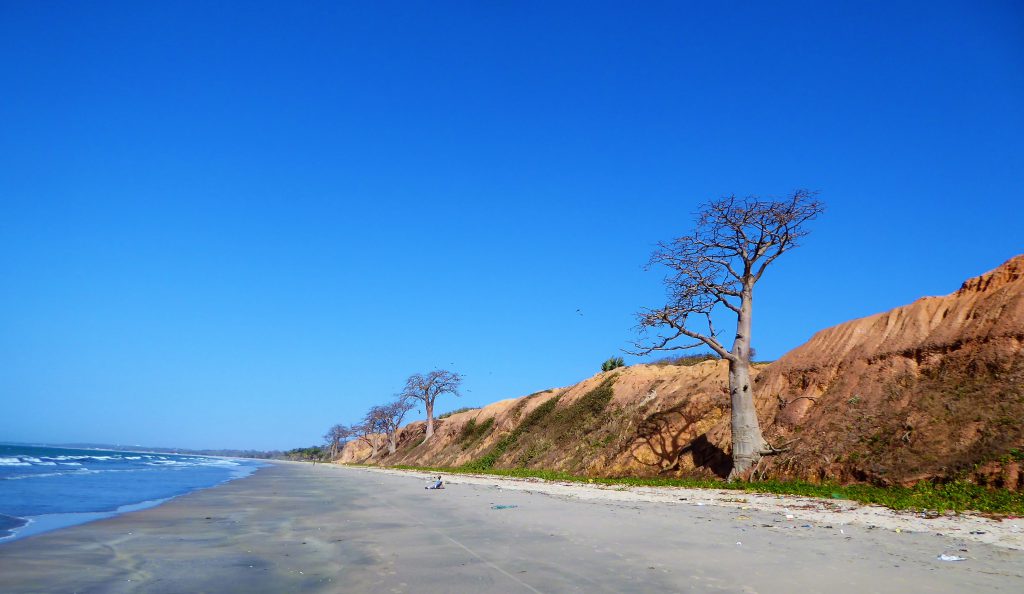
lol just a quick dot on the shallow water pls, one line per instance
(43, 488)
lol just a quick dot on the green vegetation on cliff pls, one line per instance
(545, 425)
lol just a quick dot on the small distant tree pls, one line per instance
(427, 387)
(613, 363)
(364, 434)
(336, 437)
(371, 430)
(391, 420)
(310, 454)
(718, 265)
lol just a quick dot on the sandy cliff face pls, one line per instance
(928, 390)
(934, 389)
(640, 420)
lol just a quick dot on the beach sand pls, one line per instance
(294, 527)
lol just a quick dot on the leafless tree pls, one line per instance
(335, 437)
(734, 241)
(391, 420)
(428, 387)
(371, 430)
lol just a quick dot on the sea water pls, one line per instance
(43, 488)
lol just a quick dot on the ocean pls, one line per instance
(44, 488)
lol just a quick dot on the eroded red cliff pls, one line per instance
(930, 390)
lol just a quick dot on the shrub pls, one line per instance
(536, 415)
(473, 431)
(457, 411)
(685, 360)
(546, 425)
(612, 363)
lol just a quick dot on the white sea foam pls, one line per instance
(18, 477)
(13, 462)
(78, 471)
(66, 469)
(218, 462)
(215, 462)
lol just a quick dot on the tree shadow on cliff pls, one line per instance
(707, 455)
(667, 435)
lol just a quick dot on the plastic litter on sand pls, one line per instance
(503, 506)
(945, 557)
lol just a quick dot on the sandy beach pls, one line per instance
(294, 527)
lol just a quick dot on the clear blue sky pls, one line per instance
(233, 224)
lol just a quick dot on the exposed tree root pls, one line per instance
(783, 403)
(771, 450)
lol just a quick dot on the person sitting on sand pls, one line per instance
(438, 484)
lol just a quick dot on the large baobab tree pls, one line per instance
(391, 416)
(427, 387)
(717, 266)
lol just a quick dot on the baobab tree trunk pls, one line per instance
(748, 443)
(430, 419)
(393, 443)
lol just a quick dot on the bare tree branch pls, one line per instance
(372, 431)
(391, 416)
(676, 321)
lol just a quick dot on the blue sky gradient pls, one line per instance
(233, 224)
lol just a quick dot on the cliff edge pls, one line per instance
(930, 390)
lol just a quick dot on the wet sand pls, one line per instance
(299, 528)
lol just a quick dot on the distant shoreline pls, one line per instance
(209, 452)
